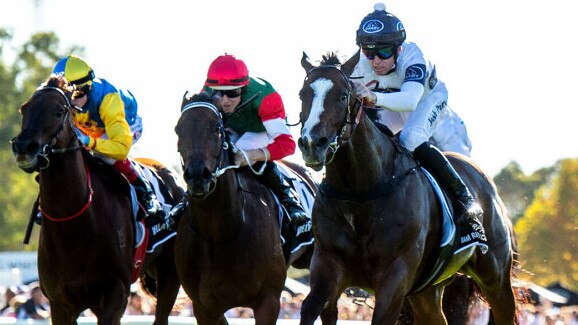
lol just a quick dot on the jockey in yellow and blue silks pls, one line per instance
(107, 124)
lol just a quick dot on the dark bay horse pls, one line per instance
(376, 219)
(86, 241)
(228, 250)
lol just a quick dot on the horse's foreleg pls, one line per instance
(267, 310)
(326, 281)
(391, 285)
(329, 314)
(167, 290)
(205, 318)
(113, 301)
(427, 306)
(61, 316)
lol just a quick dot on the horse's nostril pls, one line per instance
(25, 147)
(32, 148)
(187, 175)
(322, 142)
(207, 174)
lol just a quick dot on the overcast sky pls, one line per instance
(510, 66)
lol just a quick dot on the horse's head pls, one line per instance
(202, 143)
(46, 125)
(327, 108)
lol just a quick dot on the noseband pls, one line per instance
(354, 109)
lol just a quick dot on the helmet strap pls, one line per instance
(86, 79)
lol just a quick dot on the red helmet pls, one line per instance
(226, 72)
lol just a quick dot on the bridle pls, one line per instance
(49, 148)
(219, 170)
(352, 118)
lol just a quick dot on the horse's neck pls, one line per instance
(221, 213)
(64, 184)
(367, 158)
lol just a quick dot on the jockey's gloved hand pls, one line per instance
(83, 138)
(362, 92)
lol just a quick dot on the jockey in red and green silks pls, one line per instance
(254, 110)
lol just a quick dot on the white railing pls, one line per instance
(174, 320)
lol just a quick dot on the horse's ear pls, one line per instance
(185, 98)
(348, 66)
(305, 62)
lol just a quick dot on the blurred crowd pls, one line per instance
(27, 302)
(24, 302)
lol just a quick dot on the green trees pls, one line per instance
(32, 64)
(547, 233)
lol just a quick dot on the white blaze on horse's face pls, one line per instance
(320, 88)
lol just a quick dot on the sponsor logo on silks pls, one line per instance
(415, 72)
(373, 26)
(158, 228)
(433, 117)
(303, 229)
(399, 26)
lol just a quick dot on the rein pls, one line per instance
(352, 118)
(86, 205)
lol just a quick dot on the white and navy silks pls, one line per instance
(414, 101)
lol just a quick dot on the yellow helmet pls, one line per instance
(75, 70)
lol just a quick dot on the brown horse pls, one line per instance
(86, 241)
(377, 220)
(228, 250)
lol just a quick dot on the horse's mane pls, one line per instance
(330, 59)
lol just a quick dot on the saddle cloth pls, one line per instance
(161, 194)
(304, 236)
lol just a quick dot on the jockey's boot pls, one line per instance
(149, 201)
(154, 213)
(466, 210)
(178, 210)
(275, 180)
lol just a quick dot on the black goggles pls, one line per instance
(231, 93)
(382, 53)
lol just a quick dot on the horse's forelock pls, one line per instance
(58, 81)
(202, 97)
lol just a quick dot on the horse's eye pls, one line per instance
(60, 113)
(343, 97)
